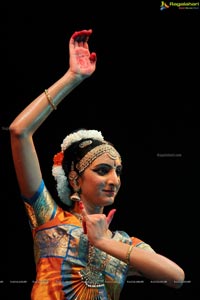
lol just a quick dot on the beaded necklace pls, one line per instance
(92, 275)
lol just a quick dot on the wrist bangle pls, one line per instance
(127, 260)
(50, 100)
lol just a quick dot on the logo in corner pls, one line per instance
(179, 5)
(164, 5)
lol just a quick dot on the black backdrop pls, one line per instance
(143, 97)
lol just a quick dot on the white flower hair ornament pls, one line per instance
(57, 169)
(81, 134)
(61, 179)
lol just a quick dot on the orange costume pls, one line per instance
(68, 267)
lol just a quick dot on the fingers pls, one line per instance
(85, 216)
(110, 216)
(81, 36)
(83, 211)
(84, 227)
(93, 57)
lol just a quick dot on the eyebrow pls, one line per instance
(107, 164)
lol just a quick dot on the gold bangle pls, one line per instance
(127, 260)
(50, 99)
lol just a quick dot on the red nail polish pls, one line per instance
(81, 205)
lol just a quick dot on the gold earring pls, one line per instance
(75, 196)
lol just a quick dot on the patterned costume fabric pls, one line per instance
(68, 267)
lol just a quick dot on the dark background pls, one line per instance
(143, 97)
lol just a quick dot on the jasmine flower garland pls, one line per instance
(57, 169)
(80, 135)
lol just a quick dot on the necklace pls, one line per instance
(92, 275)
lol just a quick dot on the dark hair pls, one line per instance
(75, 153)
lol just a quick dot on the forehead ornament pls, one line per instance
(96, 152)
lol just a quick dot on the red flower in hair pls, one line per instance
(58, 158)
